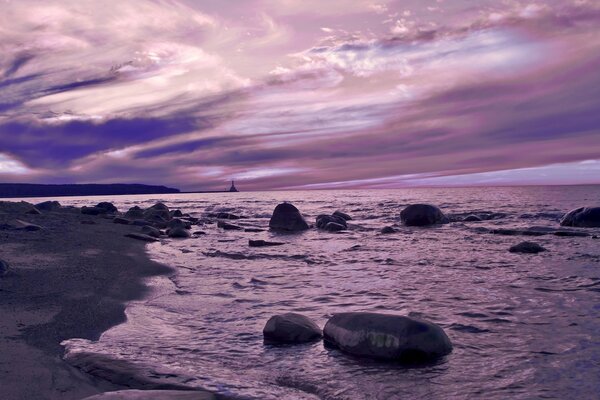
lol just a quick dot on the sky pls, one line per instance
(300, 94)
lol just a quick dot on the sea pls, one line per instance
(523, 326)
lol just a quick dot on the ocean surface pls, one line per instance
(523, 326)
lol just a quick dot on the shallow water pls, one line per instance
(523, 326)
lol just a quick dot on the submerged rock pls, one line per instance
(291, 328)
(226, 215)
(385, 336)
(263, 243)
(48, 205)
(334, 227)
(388, 229)
(179, 232)
(141, 236)
(527, 247)
(4, 267)
(288, 218)
(422, 215)
(346, 217)
(583, 217)
(472, 218)
(228, 227)
(324, 219)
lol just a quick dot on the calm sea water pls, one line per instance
(523, 326)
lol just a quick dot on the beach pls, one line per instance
(70, 279)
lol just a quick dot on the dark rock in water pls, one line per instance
(135, 212)
(422, 215)
(226, 215)
(157, 210)
(527, 247)
(33, 211)
(4, 267)
(176, 213)
(583, 217)
(388, 229)
(48, 205)
(346, 217)
(199, 233)
(109, 207)
(141, 236)
(178, 232)
(228, 227)
(288, 218)
(384, 336)
(472, 218)
(178, 223)
(120, 220)
(324, 219)
(263, 243)
(151, 231)
(334, 227)
(291, 328)
(253, 230)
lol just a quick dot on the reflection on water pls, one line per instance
(523, 326)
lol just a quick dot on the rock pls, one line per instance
(228, 226)
(151, 231)
(108, 207)
(33, 211)
(156, 220)
(199, 233)
(323, 219)
(385, 336)
(157, 210)
(135, 212)
(291, 328)
(287, 218)
(571, 233)
(255, 230)
(334, 227)
(226, 215)
(140, 222)
(179, 232)
(4, 267)
(178, 223)
(346, 217)
(388, 229)
(13, 207)
(527, 247)
(422, 215)
(120, 220)
(141, 236)
(583, 217)
(48, 205)
(19, 225)
(176, 213)
(92, 210)
(472, 218)
(263, 243)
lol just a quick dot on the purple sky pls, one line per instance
(300, 93)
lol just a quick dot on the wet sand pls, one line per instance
(67, 280)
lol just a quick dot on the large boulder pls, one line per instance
(178, 223)
(288, 218)
(160, 210)
(108, 207)
(583, 217)
(151, 231)
(385, 336)
(48, 205)
(422, 215)
(135, 212)
(291, 328)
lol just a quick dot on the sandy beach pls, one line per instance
(69, 279)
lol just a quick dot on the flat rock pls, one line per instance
(253, 230)
(583, 217)
(141, 236)
(422, 215)
(291, 328)
(527, 247)
(286, 217)
(228, 227)
(263, 243)
(385, 336)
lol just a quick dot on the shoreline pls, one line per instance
(68, 280)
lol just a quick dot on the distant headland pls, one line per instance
(40, 190)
